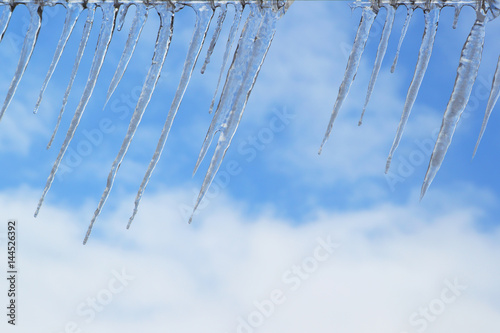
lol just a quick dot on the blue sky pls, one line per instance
(396, 256)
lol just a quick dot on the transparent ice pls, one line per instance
(252, 46)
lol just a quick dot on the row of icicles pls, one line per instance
(469, 63)
(253, 44)
(252, 47)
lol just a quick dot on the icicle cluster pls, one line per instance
(466, 74)
(253, 44)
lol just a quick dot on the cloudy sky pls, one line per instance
(286, 240)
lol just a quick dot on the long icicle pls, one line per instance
(382, 48)
(81, 48)
(215, 37)
(248, 63)
(492, 100)
(466, 76)
(140, 18)
(72, 14)
(204, 14)
(105, 34)
(358, 47)
(231, 87)
(409, 15)
(4, 20)
(238, 11)
(424, 56)
(26, 52)
(161, 49)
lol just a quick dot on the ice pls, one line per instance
(365, 25)
(215, 37)
(231, 87)
(26, 51)
(458, 9)
(424, 56)
(382, 48)
(83, 43)
(4, 20)
(105, 35)
(140, 18)
(466, 76)
(72, 14)
(161, 49)
(492, 100)
(409, 15)
(204, 14)
(238, 11)
(248, 59)
(122, 14)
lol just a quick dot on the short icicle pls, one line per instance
(424, 56)
(466, 76)
(105, 35)
(140, 18)
(492, 100)
(121, 15)
(409, 15)
(231, 86)
(72, 14)
(26, 52)
(246, 66)
(458, 9)
(81, 48)
(161, 50)
(204, 14)
(358, 47)
(382, 48)
(215, 37)
(238, 11)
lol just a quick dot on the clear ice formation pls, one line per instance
(466, 76)
(26, 51)
(382, 48)
(247, 58)
(367, 19)
(409, 15)
(424, 56)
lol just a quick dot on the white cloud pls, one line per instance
(392, 260)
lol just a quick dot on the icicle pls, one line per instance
(409, 15)
(26, 51)
(122, 14)
(215, 37)
(238, 11)
(4, 20)
(424, 55)
(466, 76)
(81, 48)
(492, 100)
(231, 87)
(247, 62)
(382, 48)
(72, 14)
(105, 35)
(458, 9)
(352, 66)
(204, 14)
(161, 49)
(140, 18)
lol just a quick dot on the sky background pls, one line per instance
(396, 264)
